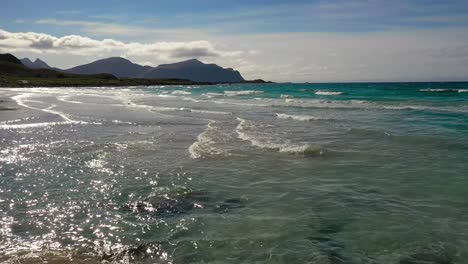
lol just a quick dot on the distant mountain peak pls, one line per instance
(193, 61)
(26, 59)
(116, 60)
(37, 64)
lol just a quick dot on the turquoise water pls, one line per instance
(270, 173)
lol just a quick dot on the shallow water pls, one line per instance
(275, 173)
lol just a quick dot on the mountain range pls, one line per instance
(193, 70)
(14, 73)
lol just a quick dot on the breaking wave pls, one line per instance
(180, 93)
(297, 117)
(335, 104)
(328, 93)
(204, 146)
(239, 93)
(246, 131)
(444, 90)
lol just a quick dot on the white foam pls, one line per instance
(66, 99)
(31, 125)
(435, 90)
(328, 93)
(297, 117)
(122, 122)
(21, 99)
(178, 92)
(245, 131)
(204, 146)
(286, 96)
(207, 112)
(239, 93)
(166, 96)
(212, 95)
(444, 90)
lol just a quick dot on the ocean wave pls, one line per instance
(239, 93)
(204, 146)
(245, 131)
(178, 92)
(328, 93)
(122, 122)
(286, 96)
(212, 95)
(297, 117)
(129, 103)
(206, 112)
(444, 90)
(334, 104)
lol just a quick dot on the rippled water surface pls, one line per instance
(274, 173)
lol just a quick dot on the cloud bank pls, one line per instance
(78, 45)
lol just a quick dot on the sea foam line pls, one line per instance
(297, 117)
(20, 100)
(246, 92)
(328, 93)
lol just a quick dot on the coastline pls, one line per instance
(91, 81)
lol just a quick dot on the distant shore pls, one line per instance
(91, 81)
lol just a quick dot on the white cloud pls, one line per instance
(79, 45)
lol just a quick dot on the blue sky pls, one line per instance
(243, 33)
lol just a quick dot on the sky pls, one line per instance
(283, 41)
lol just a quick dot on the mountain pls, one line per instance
(10, 65)
(7, 57)
(117, 66)
(194, 70)
(37, 64)
(28, 63)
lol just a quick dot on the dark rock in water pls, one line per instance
(229, 204)
(428, 258)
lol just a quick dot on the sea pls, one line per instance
(242, 173)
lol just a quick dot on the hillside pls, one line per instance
(117, 66)
(194, 70)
